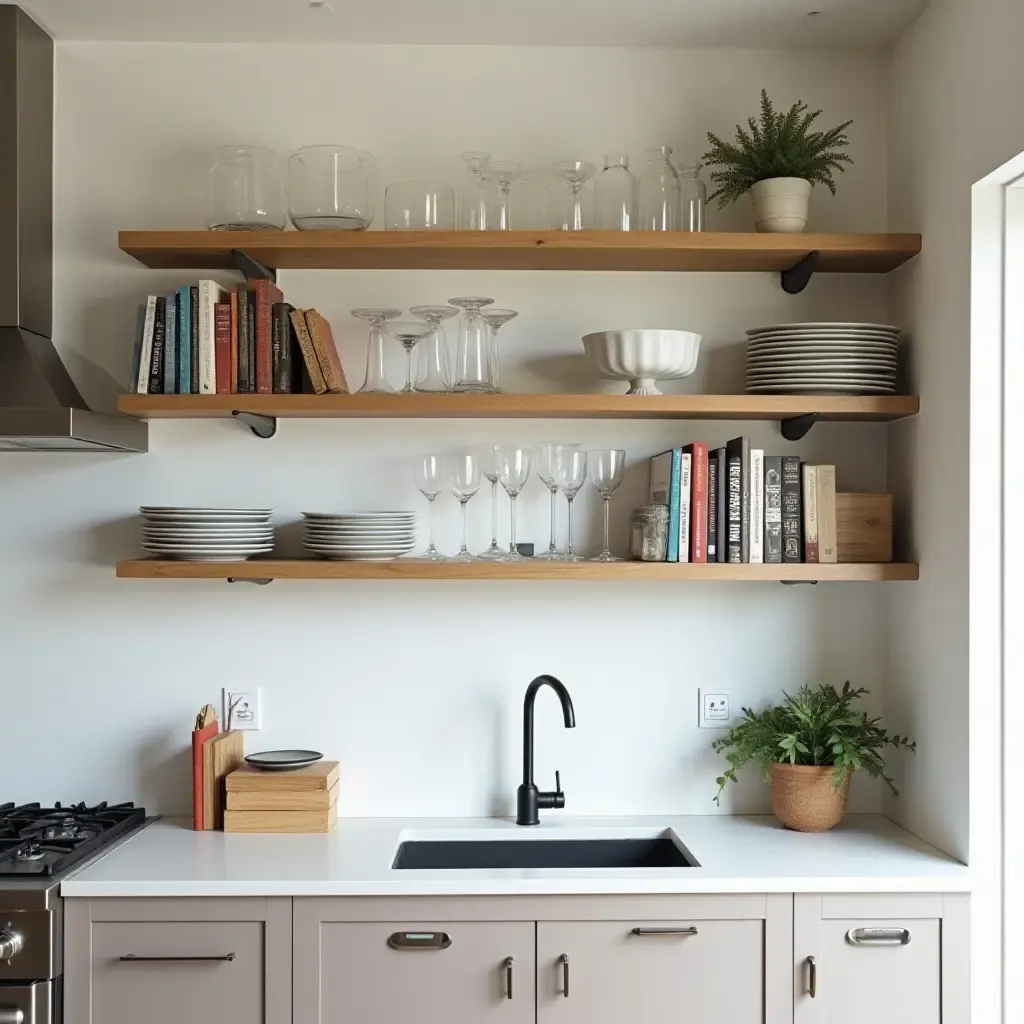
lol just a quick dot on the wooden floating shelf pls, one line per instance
(509, 406)
(411, 569)
(519, 250)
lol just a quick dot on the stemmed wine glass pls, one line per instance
(575, 174)
(546, 471)
(489, 468)
(462, 471)
(570, 465)
(376, 382)
(408, 335)
(474, 198)
(607, 468)
(428, 472)
(504, 173)
(513, 471)
(495, 318)
(433, 372)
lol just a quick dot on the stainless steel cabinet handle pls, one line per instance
(812, 981)
(419, 940)
(509, 961)
(564, 961)
(12, 1016)
(878, 936)
(663, 931)
(131, 958)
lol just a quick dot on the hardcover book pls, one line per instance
(222, 346)
(281, 346)
(250, 339)
(171, 343)
(698, 452)
(722, 544)
(326, 352)
(810, 496)
(140, 331)
(194, 341)
(156, 365)
(233, 301)
(309, 358)
(792, 511)
(266, 294)
(713, 507)
(739, 448)
(826, 509)
(757, 506)
(184, 340)
(664, 490)
(685, 489)
(243, 333)
(210, 293)
(773, 509)
(146, 353)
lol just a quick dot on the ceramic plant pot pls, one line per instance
(780, 204)
(803, 798)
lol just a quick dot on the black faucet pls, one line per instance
(529, 799)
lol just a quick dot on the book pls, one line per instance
(773, 509)
(146, 351)
(184, 340)
(193, 383)
(712, 507)
(826, 510)
(792, 510)
(210, 293)
(199, 737)
(810, 496)
(664, 490)
(301, 382)
(685, 504)
(281, 347)
(241, 293)
(326, 352)
(698, 452)
(222, 346)
(722, 513)
(140, 330)
(156, 363)
(309, 358)
(739, 449)
(233, 300)
(266, 294)
(171, 343)
(250, 340)
(757, 505)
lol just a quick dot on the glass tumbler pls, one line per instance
(476, 194)
(419, 206)
(330, 188)
(376, 381)
(433, 373)
(474, 356)
(659, 192)
(693, 198)
(246, 190)
(615, 196)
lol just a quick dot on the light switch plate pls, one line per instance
(243, 709)
(714, 709)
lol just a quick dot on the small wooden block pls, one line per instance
(281, 821)
(864, 527)
(320, 776)
(284, 800)
(221, 756)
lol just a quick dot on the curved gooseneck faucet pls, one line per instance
(528, 798)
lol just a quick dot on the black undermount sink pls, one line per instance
(428, 855)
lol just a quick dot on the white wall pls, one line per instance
(416, 687)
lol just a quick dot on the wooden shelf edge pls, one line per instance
(411, 569)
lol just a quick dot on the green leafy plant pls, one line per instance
(779, 146)
(814, 727)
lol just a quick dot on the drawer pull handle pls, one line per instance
(878, 936)
(507, 964)
(812, 981)
(131, 958)
(664, 931)
(8, 1016)
(564, 961)
(419, 940)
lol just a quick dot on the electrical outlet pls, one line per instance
(714, 709)
(243, 709)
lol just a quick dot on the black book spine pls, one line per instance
(773, 509)
(194, 340)
(735, 518)
(720, 458)
(739, 448)
(712, 508)
(301, 383)
(243, 342)
(792, 510)
(250, 301)
(156, 362)
(281, 346)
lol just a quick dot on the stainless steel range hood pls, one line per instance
(41, 409)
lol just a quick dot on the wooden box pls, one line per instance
(864, 527)
(314, 788)
(282, 821)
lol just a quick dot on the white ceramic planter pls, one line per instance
(780, 204)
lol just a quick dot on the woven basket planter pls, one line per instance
(803, 798)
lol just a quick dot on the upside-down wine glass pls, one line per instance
(473, 356)
(474, 197)
(546, 471)
(513, 472)
(408, 335)
(376, 382)
(495, 318)
(570, 465)
(489, 467)
(607, 468)
(428, 471)
(433, 371)
(504, 174)
(463, 474)
(574, 174)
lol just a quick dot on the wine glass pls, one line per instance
(570, 473)
(408, 334)
(575, 174)
(376, 382)
(428, 471)
(462, 472)
(489, 468)
(433, 372)
(495, 318)
(546, 471)
(473, 356)
(504, 173)
(474, 198)
(513, 471)
(607, 468)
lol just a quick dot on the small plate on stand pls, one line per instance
(283, 760)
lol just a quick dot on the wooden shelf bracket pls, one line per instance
(797, 427)
(798, 277)
(264, 427)
(250, 267)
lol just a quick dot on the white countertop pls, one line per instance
(867, 853)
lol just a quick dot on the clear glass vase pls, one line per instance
(659, 192)
(246, 190)
(330, 188)
(693, 198)
(615, 196)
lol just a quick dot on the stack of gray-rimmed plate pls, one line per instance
(360, 536)
(823, 358)
(206, 534)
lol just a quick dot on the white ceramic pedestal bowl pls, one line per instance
(643, 357)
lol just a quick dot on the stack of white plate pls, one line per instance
(360, 536)
(823, 358)
(206, 534)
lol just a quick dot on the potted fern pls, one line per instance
(778, 160)
(808, 747)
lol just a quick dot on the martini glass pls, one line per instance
(432, 371)
(494, 318)
(408, 334)
(575, 174)
(504, 173)
(376, 382)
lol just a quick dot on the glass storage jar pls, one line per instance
(693, 198)
(615, 196)
(648, 534)
(246, 190)
(330, 188)
(659, 192)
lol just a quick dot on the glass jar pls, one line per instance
(648, 534)
(659, 192)
(330, 188)
(246, 190)
(693, 197)
(615, 196)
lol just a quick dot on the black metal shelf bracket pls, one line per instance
(250, 267)
(799, 583)
(261, 426)
(798, 277)
(259, 581)
(796, 428)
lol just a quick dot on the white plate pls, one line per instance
(201, 509)
(822, 346)
(824, 336)
(881, 382)
(193, 522)
(328, 546)
(802, 358)
(818, 389)
(193, 556)
(189, 549)
(202, 538)
(357, 534)
(358, 516)
(828, 366)
(834, 325)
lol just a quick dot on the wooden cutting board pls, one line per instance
(320, 776)
(222, 755)
(283, 799)
(281, 821)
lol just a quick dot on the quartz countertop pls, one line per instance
(867, 853)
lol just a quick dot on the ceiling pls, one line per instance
(673, 23)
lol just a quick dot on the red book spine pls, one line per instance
(267, 293)
(233, 303)
(698, 501)
(222, 346)
(199, 737)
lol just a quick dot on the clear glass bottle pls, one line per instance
(246, 190)
(659, 192)
(693, 198)
(476, 194)
(615, 196)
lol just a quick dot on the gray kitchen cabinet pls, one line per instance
(164, 961)
(888, 958)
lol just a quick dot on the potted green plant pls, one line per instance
(778, 160)
(808, 747)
